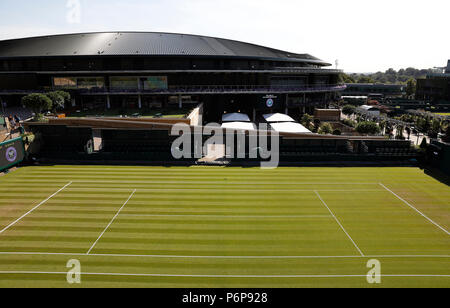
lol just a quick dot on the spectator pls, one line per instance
(17, 119)
(12, 123)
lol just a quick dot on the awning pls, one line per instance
(277, 117)
(239, 125)
(289, 127)
(235, 117)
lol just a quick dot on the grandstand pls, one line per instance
(23, 113)
(128, 140)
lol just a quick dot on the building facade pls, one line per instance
(154, 70)
(435, 87)
(377, 91)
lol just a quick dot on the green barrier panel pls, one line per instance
(12, 152)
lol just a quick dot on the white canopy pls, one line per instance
(277, 117)
(235, 117)
(239, 125)
(289, 127)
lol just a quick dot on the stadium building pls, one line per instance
(374, 91)
(435, 87)
(117, 70)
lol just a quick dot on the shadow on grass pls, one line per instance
(438, 175)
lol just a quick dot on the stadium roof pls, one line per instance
(143, 43)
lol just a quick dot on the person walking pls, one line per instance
(17, 120)
(12, 125)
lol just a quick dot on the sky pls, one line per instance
(363, 35)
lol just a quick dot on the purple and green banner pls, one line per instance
(12, 152)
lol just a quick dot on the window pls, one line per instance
(65, 82)
(154, 82)
(90, 82)
(124, 82)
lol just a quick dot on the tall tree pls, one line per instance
(59, 99)
(411, 86)
(38, 103)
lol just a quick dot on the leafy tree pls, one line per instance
(38, 103)
(348, 110)
(400, 130)
(411, 86)
(435, 128)
(316, 125)
(66, 96)
(59, 99)
(370, 128)
(408, 131)
(307, 119)
(337, 132)
(446, 137)
(365, 79)
(344, 78)
(392, 76)
(349, 122)
(382, 125)
(325, 129)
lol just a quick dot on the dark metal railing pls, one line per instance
(220, 89)
(197, 89)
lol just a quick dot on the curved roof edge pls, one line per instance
(143, 43)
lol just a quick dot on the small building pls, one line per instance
(328, 115)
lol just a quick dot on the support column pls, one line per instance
(254, 114)
(140, 101)
(286, 104)
(180, 102)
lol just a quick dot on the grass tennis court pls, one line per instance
(223, 227)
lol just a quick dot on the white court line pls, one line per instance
(202, 182)
(228, 216)
(408, 204)
(110, 223)
(337, 220)
(219, 276)
(228, 189)
(30, 211)
(220, 257)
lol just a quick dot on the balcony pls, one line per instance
(197, 89)
(218, 89)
